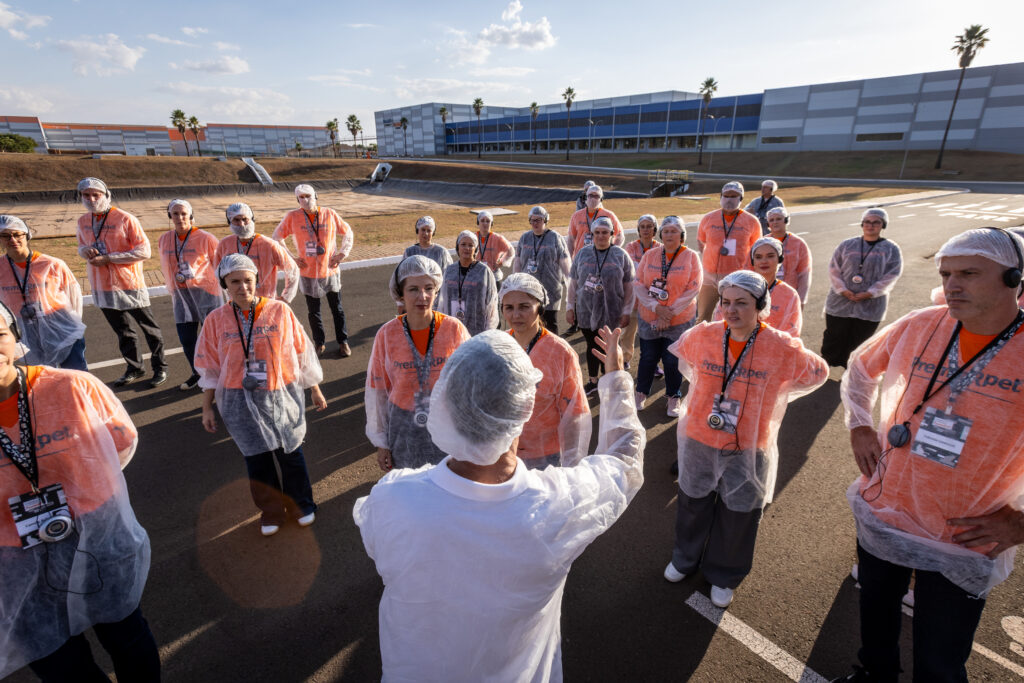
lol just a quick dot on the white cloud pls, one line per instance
(443, 89)
(192, 32)
(360, 25)
(512, 12)
(219, 65)
(466, 51)
(526, 35)
(157, 38)
(19, 101)
(233, 104)
(514, 34)
(502, 71)
(225, 47)
(14, 22)
(106, 56)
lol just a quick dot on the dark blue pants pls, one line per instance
(275, 496)
(316, 321)
(652, 351)
(188, 335)
(129, 642)
(128, 339)
(75, 360)
(945, 618)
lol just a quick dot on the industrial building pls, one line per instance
(892, 113)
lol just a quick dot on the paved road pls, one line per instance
(228, 605)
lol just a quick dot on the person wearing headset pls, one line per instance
(254, 357)
(268, 255)
(186, 258)
(766, 259)
(469, 292)
(45, 297)
(495, 251)
(940, 494)
(72, 554)
(797, 255)
(315, 230)
(724, 238)
(541, 252)
(426, 228)
(742, 374)
(761, 205)
(583, 220)
(114, 246)
(862, 272)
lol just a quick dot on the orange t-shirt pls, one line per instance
(421, 338)
(736, 345)
(9, 406)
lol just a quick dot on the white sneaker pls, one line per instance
(673, 406)
(672, 574)
(269, 529)
(855, 572)
(908, 599)
(306, 520)
(641, 400)
(721, 597)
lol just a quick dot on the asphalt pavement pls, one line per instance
(228, 605)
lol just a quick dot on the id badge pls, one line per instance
(100, 247)
(531, 266)
(941, 437)
(255, 375)
(421, 409)
(593, 285)
(184, 272)
(31, 311)
(459, 309)
(729, 247)
(729, 409)
(658, 289)
(43, 516)
(588, 239)
(311, 248)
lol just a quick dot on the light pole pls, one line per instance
(455, 143)
(509, 126)
(590, 144)
(711, 161)
(910, 129)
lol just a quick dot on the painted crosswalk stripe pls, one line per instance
(120, 361)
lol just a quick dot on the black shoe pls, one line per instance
(573, 329)
(159, 377)
(590, 388)
(190, 384)
(859, 675)
(127, 378)
(675, 468)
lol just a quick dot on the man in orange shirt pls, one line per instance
(724, 239)
(114, 245)
(579, 224)
(940, 494)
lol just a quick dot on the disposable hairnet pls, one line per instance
(733, 185)
(780, 210)
(426, 220)
(676, 221)
(1019, 232)
(539, 211)
(877, 211)
(238, 209)
(993, 244)
(412, 267)
(603, 222)
(524, 282)
(483, 398)
(481, 214)
(235, 262)
(471, 235)
(770, 241)
(594, 187)
(305, 189)
(771, 183)
(749, 281)
(8, 318)
(647, 217)
(180, 202)
(13, 223)
(93, 184)
(587, 185)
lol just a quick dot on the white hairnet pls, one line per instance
(647, 217)
(781, 210)
(8, 317)
(587, 185)
(91, 183)
(752, 282)
(426, 220)
(481, 214)
(877, 211)
(597, 187)
(237, 209)
(603, 222)
(676, 221)
(483, 398)
(180, 202)
(774, 185)
(733, 185)
(991, 243)
(539, 211)
(413, 266)
(524, 282)
(234, 262)
(471, 235)
(13, 223)
(770, 241)
(305, 189)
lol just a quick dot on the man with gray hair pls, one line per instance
(760, 206)
(862, 272)
(952, 441)
(474, 552)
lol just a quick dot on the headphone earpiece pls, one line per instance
(1012, 276)
(761, 301)
(786, 218)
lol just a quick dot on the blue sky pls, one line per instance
(305, 63)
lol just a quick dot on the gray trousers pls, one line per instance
(714, 538)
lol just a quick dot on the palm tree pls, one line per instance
(332, 129)
(404, 123)
(179, 121)
(569, 95)
(707, 89)
(478, 106)
(193, 125)
(967, 45)
(534, 113)
(443, 111)
(353, 125)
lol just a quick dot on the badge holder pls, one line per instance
(42, 517)
(941, 437)
(460, 309)
(531, 266)
(101, 247)
(29, 311)
(857, 279)
(725, 414)
(255, 375)
(421, 411)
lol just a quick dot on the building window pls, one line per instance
(879, 137)
(779, 140)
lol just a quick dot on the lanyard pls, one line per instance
(772, 285)
(536, 249)
(245, 339)
(23, 456)
(22, 284)
(238, 245)
(422, 363)
(178, 252)
(533, 342)
(643, 249)
(590, 220)
(728, 230)
(96, 233)
(729, 372)
(665, 268)
(762, 208)
(863, 256)
(314, 227)
(462, 276)
(483, 248)
(994, 346)
(600, 263)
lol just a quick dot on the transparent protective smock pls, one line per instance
(860, 266)
(316, 242)
(473, 294)
(601, 287)
(198, 293)
(119, 284)
(547, 259)
(683, 278)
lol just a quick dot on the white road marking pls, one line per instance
(994, 207)
(120, 361)
(907, 215)
(172, 648)
(982, 650)
(1020, 210)
(767, 650)
(799, 234)
(914, 206)
(857, 223)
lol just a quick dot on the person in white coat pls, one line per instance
(474, 552)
